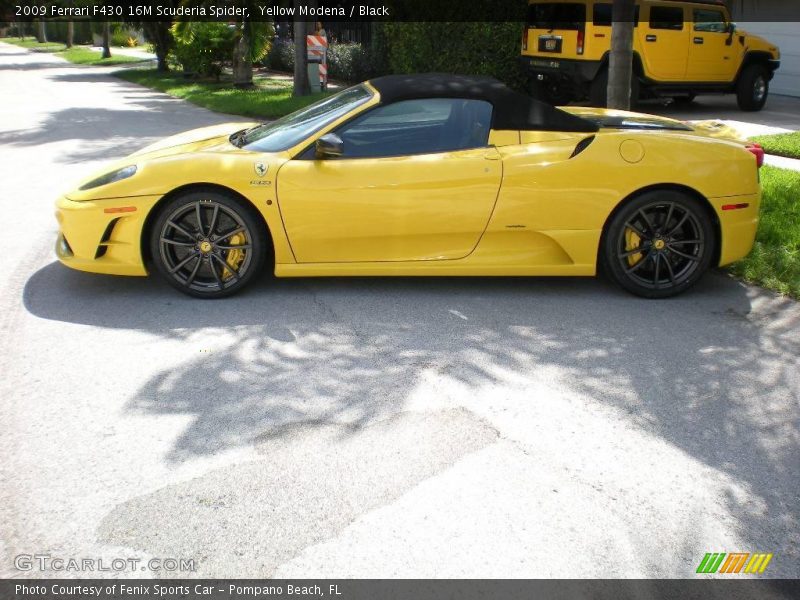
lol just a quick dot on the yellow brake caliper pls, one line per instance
(235, 257)
(632, 242)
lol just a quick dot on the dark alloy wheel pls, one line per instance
(207, 244)
(659, 244)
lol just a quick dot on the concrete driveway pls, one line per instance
(369, 427)
(782, 113)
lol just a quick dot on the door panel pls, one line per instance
(710, 56)
(403, 208)
(664, 42)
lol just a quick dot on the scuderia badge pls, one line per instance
(261, 169)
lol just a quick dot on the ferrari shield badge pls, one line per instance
(261, 169)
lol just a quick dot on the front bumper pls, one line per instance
(103, 236)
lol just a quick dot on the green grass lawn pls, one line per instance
(782, 144)
(774, 262)
(81, 55)
(270, 99)
(31, 44)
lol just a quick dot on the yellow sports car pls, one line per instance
(422, 175)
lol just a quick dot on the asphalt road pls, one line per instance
(369, 427)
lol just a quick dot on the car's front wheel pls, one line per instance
(207, 244)
(659, 244)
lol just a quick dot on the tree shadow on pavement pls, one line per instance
(708, 372)
(99, 133)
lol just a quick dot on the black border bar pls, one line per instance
(738, 588)
(306, 10)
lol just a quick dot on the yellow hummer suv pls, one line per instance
(681, 48)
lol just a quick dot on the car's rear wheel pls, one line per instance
(752, 88)
(659, 244)
(207, 244)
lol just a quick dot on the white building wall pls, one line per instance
(784, 31)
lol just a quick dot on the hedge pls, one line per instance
(347, 61)
(470, 48)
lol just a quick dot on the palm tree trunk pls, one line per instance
(242, 59)
(621, 62)
(301, 87)
(41, 32)
(70, 29)
(106, 39)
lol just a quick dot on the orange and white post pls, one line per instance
(317, 46)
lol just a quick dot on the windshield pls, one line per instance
(292, 129)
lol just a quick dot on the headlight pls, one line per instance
(117, 175)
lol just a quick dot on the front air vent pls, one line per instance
(582, 145)
(103, 247)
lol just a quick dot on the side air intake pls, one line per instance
(582, 145)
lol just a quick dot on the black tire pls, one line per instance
(683, 100)
(215, 259)
(752, 88)
(550, 92)
(675, 239)
(598, 91)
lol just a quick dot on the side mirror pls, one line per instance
(731, 28)
(329, 145)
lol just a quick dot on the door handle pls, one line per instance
(492, 155)
(698, 40)
(651, 38)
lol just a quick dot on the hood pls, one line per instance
(756, 42)
(194, 140)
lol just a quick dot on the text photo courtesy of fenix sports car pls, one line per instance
(428, 174)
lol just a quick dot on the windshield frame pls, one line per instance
(324, 122)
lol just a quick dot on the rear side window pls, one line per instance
(666, 17)
(603, 13)
(557, 15)
(712, 21)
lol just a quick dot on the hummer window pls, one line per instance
(557, 15)
(603, 13)
(712, 21)
(666, 17)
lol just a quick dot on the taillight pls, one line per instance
(525, 38)
(581, 37)
(758, 152)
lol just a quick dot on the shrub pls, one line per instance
(352, 62)
(281, 55)
(119, 38)
(469, 48)
(347, 61)
(203, 47)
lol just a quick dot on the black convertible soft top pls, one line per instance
(512, 110)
